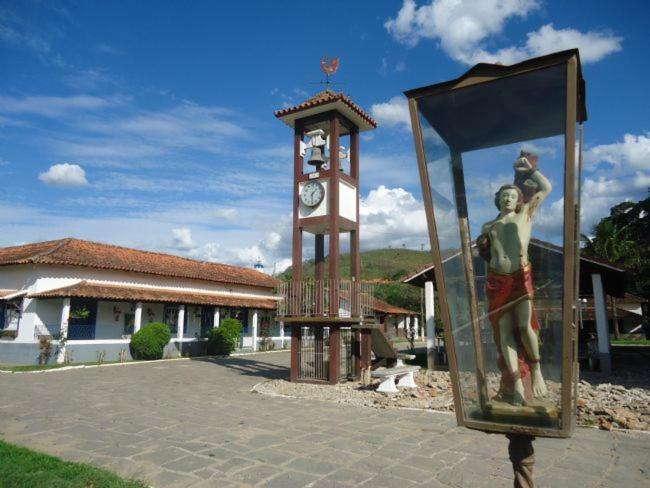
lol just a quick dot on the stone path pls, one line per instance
(195, 423)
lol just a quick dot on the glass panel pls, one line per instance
(495, 158)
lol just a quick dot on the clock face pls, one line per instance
(312, 193)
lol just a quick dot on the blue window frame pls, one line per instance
(83, 318)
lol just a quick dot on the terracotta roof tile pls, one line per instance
(77, 252)
(381, 306)
(322, 98)
(86, 289)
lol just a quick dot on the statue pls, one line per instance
(504, 244)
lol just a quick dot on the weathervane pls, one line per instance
(329, 69)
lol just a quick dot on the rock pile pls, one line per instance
(622, 404)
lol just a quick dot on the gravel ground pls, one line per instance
(621, 402)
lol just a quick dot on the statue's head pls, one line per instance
(509, 197)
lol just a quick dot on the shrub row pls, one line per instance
(150, 341)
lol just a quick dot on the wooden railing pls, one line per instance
(313, 298)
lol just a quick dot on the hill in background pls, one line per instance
(388, 267)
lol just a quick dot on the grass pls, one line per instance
(636, 342)
(23, 468)
(18, 368)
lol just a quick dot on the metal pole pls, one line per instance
(522, 457)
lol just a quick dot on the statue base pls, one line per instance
(536, 412)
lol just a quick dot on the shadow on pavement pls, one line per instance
(250, 367)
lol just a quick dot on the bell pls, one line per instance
(316, 159)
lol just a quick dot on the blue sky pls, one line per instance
(150, 124)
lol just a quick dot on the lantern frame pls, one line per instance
(575, 115)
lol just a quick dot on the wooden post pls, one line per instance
(522, 456)
(296, 261)
(334, 272)
(295, 354)
(319, 272)
(334, 354)
(366, 349)
(466, 247)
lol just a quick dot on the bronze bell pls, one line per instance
(317, 158)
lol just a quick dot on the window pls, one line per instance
(129, 323)
(82, 319)
(170, 318)
(207, 320)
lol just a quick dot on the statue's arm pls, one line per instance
(544, 186)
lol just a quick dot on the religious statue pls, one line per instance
(504, 244)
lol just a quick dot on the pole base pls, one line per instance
(522, 457)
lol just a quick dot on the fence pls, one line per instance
(314, 298)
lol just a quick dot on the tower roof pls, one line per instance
(324, 101)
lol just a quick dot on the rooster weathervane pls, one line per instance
(329, 68)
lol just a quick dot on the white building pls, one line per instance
(96, 295)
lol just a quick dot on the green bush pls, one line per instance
(224, 339)
(150, 341)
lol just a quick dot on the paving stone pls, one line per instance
(169, 479)
(273, 456)
(349, 476)
(162, 455)
(256, 474)
(312, 465)
(406, 473)
(189, 463)
(290, 479)
(381, 481)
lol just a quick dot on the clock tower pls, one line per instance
(325, 310)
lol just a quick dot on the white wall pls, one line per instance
(36, 278)
(347, 201)
(106, 326)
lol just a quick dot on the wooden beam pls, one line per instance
(334, 271)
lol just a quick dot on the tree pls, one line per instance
(623, 238)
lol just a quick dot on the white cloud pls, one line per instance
(182, 239)
(3, 162)
(393, 113)
(464, 27)
(633, 152)
(392, 216)
(229, 214)
(593, 45)
(55, 106)
(64, 175)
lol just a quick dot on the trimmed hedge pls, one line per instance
(225, 339)
(150, 341)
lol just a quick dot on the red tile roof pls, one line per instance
(76, 252)
(381, 306)
(323, 98)
(85, 289)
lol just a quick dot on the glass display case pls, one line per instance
(499, 158)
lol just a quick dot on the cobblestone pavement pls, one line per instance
(195, 423)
